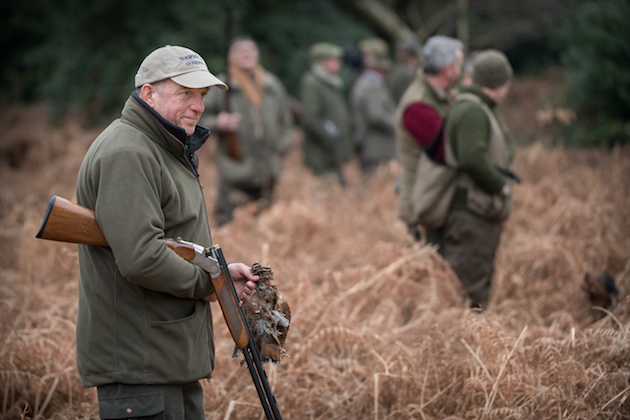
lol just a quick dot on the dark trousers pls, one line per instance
(158, 402)
(435, 237)
(470, 246)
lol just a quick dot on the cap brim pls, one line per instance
(199, 79)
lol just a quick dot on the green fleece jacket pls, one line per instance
(141, 317)
(469, 132)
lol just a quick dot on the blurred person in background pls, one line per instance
(144, 334)
(419, 121)
(405, 67)
(467, 70)
(325, 117)
(484, 151)
(260, 118)
(467, 73)
(373, 108)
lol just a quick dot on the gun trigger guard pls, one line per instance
(204, 259)
(208, 264)
(215, 270)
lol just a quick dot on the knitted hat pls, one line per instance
(324, 50)
(491, 69)
(182, 65)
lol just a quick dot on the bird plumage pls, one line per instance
(601, 290)
(268, 317)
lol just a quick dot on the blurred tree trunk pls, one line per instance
(427, 23)
(422, 24)
(499, 24)
(385, 16)
(462, 23)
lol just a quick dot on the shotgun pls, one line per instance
(66, 221)
(232, 144)
(509, 174)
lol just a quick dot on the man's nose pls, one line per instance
(197, 104)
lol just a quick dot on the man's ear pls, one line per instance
(147, 93)
(447, 70)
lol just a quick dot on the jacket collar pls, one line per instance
(191, 143)
(476, 90)
(330, 79)
(438, 95)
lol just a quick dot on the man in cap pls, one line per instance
(419, 122)
(324, 115)
(260, 117)
(483, 150)
(144, 326)
(373, 107)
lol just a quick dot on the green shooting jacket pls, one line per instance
(322, 99)
(373, 111)
(141, 317)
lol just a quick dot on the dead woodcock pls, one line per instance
(268, 317)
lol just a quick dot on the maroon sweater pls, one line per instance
(424, 124)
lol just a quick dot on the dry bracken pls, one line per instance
(378, 328)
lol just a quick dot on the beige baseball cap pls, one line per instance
(182, 65)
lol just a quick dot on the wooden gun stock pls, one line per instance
(66, 221)
(232, 145)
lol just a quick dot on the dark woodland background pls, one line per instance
(83, 55)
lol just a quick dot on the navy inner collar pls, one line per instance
(192, 142)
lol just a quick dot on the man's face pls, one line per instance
(502, 92)
(454, 71)
(177, 104)
(244, 54)
(332, 65)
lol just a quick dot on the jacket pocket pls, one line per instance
(180, 350)
(138, 406)
(494, 207)
(432, 193)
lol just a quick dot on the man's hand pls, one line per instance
(227, 121)
(244, 280)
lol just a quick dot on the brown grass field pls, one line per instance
(378, 329)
